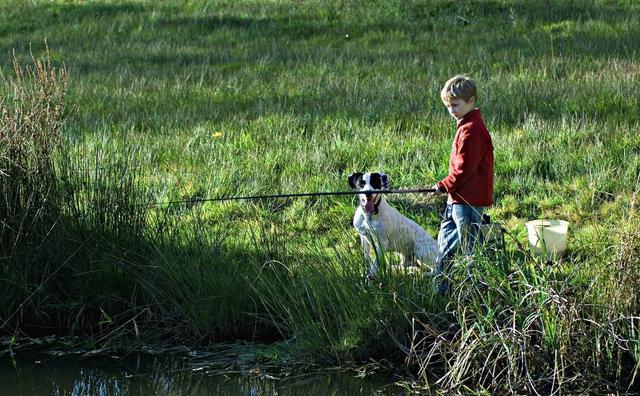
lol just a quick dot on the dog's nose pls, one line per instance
(368, 194)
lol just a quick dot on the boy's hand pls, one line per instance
(437, 190)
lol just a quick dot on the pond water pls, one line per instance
(143, 374)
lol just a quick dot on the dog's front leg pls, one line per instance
(366, 248)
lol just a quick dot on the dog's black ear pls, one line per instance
(385, 181)
(353, 179)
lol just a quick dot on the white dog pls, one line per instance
(381, 226)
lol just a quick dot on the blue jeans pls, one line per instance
(458, 231)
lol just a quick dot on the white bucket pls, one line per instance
(548, 238)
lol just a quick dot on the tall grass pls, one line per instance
(184, 100)
(31, 119)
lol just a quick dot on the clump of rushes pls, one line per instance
(520, 325)
(32, 114)
(31, 120)
(508, 330)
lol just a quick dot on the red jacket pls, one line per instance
(470, 179)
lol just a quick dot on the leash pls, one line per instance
(309, 194)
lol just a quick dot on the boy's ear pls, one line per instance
(472, 100)
(353, 179)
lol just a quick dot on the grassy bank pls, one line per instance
(145, 102)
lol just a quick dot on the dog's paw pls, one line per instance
(374, 280)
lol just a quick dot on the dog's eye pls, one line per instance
(375, 181)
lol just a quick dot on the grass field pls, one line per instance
(180, 100)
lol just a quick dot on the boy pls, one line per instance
(469, 184)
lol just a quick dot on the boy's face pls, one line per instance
(458, 108)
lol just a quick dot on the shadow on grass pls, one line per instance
(107, 287)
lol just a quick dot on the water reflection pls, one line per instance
(163, 375)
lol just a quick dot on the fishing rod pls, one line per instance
(293, 195)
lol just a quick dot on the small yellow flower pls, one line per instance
(217, 134)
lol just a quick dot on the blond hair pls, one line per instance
(459, 87)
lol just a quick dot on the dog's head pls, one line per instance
(369, 183)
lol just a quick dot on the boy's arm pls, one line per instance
(465, 162)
